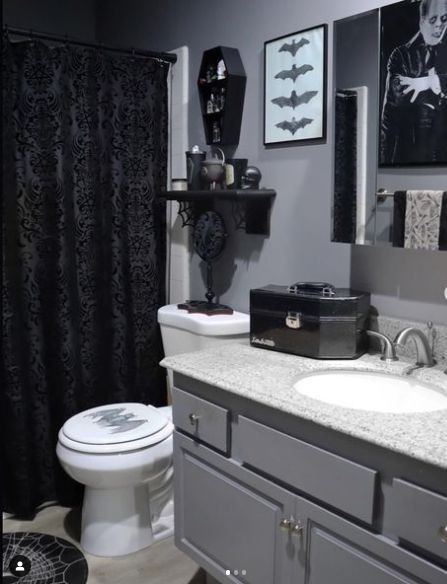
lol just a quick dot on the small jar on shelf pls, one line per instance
(210, 74)
(221, 70)
(221, 99)
(211, 104)
(215, 132)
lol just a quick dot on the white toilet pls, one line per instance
(183, 332)
(122, 452)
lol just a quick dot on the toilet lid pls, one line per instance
(114, 424)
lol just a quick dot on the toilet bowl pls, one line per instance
(122, 453)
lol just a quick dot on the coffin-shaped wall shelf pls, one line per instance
(250, 208)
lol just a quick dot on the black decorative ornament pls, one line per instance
(209, 237)
(251, 178)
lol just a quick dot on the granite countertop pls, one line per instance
(268, 377)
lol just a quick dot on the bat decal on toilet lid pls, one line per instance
(116, 419)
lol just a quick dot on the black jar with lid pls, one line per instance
(194, 159)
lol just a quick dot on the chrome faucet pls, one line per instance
(389, 350)
(424, 356)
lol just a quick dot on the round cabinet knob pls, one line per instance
(193, 418)
(285, 524)
(443, 533)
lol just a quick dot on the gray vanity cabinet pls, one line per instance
(256, 505)
(332, 550)
(227, 518)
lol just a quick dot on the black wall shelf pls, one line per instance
(250, 208)
(222, 95)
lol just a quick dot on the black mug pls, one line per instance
(234, 169)
(194, 159)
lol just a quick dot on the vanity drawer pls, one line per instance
(419, 517)
(343, 484)
(201, 419)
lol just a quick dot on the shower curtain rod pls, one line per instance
(30, 33)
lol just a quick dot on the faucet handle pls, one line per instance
(389, 349)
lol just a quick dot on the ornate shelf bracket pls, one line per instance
(250, 208)
(186, 212)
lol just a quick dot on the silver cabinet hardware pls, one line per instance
(293, 320)
(292, 526)
(297, 528)
(285, 524)
(193, 418)
(443, 533)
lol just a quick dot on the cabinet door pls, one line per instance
(228, 519)
(333, 550)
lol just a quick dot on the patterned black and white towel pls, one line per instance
(36, 558)
(420, 219)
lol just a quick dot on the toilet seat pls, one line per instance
(115, 428)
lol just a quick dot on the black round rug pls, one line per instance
(36, 558)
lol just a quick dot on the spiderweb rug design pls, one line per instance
(36, 558)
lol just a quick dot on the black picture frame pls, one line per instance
(410, 133)
(295, 87)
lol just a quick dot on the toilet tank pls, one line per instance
(183, 332)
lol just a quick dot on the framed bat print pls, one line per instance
(295, 87)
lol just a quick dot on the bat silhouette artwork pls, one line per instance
(294, 72)
(294, 100)
(293, 125)
(294, 46)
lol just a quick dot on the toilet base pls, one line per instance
(116, 522)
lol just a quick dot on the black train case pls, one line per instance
(311, 319)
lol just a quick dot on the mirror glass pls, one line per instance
(378, 111)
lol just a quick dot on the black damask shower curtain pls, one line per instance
(84, 154)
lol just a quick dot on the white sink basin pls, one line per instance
(377, 392)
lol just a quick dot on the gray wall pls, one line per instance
(299, 245)
(403, 282)
(75, 18)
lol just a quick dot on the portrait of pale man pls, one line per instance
(414, 111)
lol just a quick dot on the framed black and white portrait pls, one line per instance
(295, 86)
(413, 80)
